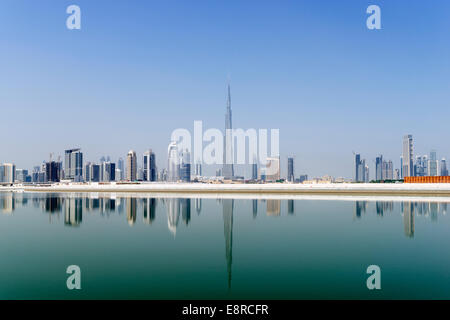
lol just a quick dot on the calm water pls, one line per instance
(174, 248)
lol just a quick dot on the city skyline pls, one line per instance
(330, 90)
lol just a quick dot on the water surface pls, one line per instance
(139, 247)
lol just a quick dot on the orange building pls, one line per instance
(439, 179)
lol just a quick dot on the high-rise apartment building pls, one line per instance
(7, 173)
(290, 169)
(379, 168)
(73, 166)
(407, 162)
(361, 173)
(108, 171)
(433, 165)
(185, 166)
(131, 166)
(173, 162)
(272, 169)
(443, 168)
(149, 166)
(198, 169)
(53, 171)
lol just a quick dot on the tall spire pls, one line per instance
(228, 171)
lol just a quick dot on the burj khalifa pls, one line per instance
(228, 171)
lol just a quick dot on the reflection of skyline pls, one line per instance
(73, 206)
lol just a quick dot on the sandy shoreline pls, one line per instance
(363, 189)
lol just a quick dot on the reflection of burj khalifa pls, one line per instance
(228, 172)
(227, 205)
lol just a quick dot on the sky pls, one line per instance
(137, 70)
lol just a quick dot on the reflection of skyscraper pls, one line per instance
(52, 204)
(173, 214)
(434, 211)
(255, 207)
(149, 210)
(360, 207)
(198, 205)
(408, 218)
(273, 207)
(73, 211)
(7, 203)
(131, 210)
(228, 171)
(383, 206)
(185, 205)
(290, 206)
(227, 207)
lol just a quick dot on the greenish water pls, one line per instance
(172, 248)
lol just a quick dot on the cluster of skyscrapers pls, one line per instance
(410, 166)
(76, 170)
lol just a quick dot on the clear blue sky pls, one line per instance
(139, 69)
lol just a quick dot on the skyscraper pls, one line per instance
(173, 162)
(198, 169)
(149, 168)
(131, 166)
(7, 173)
(361, 170)
(433, 164)
(407, 162)
(53, 171)
(73, 167)
(443, 168)
(357, 170)
(255, 171)
(290, 170)
(121, 166)
(272, 169)
(379, 168)
(228, 170)
(185, 167)
(108, 171)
